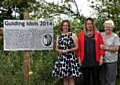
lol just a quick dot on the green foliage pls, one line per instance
(107, 9)
(76, 26)
(44, 9)
(8, 6)
(42, 67)
(11, 68)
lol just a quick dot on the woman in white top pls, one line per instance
(111, 47)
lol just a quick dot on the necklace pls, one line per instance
(89, 33)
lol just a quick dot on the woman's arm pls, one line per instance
(101, 50)
(113, 48)
(101, 44)
(57, 49)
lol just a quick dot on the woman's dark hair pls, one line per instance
(93, 23)
(90, 20)
(61, 26)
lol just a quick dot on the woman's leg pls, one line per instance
(102, 74)
(111, 73)
(86, 76)
(71, 81)
(95, 75)
(66, 81)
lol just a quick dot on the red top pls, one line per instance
(98, 41)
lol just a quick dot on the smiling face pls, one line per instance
(108, 28)
(89, 25)
(65, 26)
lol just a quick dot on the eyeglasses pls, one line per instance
(65, 25)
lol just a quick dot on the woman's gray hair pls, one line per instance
(109, 22)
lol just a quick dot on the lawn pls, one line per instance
(118, 81)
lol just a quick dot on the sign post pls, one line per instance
(26, 35)
(26, 61)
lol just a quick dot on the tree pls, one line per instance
(7, 7)
(44, 9)
(108, 9)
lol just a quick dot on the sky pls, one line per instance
(83, 7)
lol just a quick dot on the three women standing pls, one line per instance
(90, 49)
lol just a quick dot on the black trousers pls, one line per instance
(90, 75)
(108, 74)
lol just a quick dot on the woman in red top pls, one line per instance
(89, 52)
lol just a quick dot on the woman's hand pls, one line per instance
(63, 51)
(101, 60)
(80, 62)
(102, 47)
(106, 48)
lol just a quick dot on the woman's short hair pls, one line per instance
(61, 26)
(109, 22)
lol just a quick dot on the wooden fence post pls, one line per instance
(26, 63)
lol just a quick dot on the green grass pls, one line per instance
(118, 81)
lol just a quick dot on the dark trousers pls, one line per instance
(108, 74)
(90, 75)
